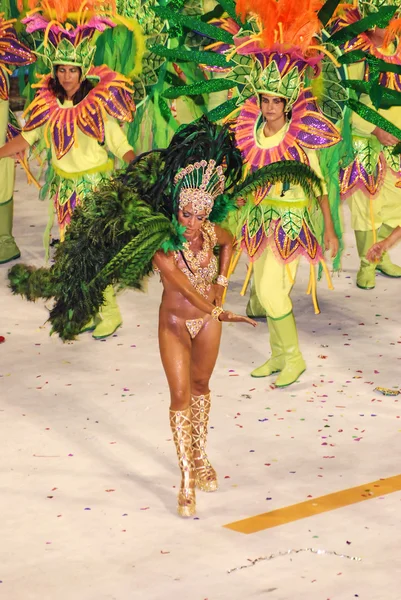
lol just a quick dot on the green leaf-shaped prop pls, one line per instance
(291, 222)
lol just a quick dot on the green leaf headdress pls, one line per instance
(70, 30)
(279, 37)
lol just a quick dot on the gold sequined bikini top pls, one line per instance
(199, 274)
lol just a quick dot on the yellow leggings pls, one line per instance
(383, 210)
(273, 283)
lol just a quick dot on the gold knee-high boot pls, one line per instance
(181, 426)
(205, 475)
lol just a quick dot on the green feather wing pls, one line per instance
(111, 240)
(287, 171)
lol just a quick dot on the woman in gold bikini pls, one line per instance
(190, 324)
(161, 214)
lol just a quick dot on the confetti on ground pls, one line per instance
(254, 561)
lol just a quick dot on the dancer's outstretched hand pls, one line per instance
(230, 317)
(376, 251)
(331, 241)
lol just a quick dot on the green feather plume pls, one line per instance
(286, 171)
(30, 282)
(111, 239)
(114, 235)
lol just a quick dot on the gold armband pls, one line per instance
(221, 280)
(216, 312)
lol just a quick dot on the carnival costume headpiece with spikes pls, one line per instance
(132, 216)
(200, 183)
(72, 42)
(12, 52)
(280, 45)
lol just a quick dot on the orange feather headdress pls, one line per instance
(287, 22)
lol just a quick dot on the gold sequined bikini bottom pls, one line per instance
(194, 326)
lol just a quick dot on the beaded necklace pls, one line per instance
(201, 277)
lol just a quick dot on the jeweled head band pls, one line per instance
(200, 183)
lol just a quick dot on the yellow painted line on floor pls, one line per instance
(315, 506)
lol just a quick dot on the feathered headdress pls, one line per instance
(70, 28)
(283, 44)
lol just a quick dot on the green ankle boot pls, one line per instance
(366, 278)
(277, 361)
(110, 316)
(385, 266)
(8, 248)
(294, 362)
(91, 324)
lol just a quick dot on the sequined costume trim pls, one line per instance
(368, 170)
(308, 128)
(290, 235)
(12, 52)
(112, 94)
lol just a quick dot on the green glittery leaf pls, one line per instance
(291, 222)
(397, 149)
(243, 70)
(379, 19)
(201, 87)
(330, 108)
(215, 33)
(351, 57)
(368, 151)
(370, 115)
(254, 220)
(269, 214)
(393, 160)
(327, 11)
(222, 111)
(361, 87)
(205, 58)
(229, 7)
(165, 110)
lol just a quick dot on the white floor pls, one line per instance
(88, 468)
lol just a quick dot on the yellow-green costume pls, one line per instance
(8, 248)
(83, 167)
(16, 54)
(371, 181)
(276, 262)
(79, 135)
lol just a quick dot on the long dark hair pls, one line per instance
(57, 89)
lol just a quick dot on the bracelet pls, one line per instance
(216, 312)
(221, 280)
